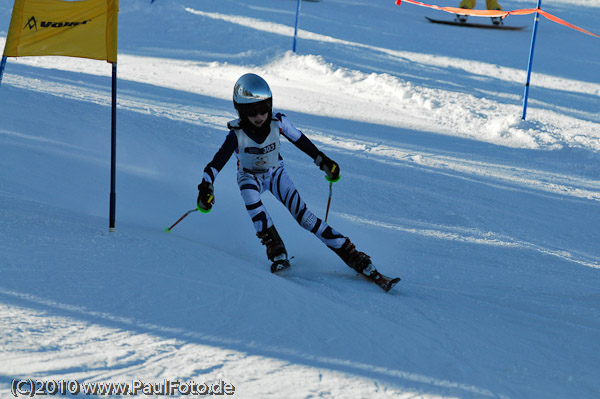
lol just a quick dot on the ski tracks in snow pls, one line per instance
(506, 176)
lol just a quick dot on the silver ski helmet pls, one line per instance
(251, 94)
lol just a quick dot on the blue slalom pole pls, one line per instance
(529, 64)
(2, 66)
(296, 25)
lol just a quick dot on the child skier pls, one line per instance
(255, 139)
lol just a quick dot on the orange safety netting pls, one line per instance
(499, 13)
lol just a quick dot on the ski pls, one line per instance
(474, 25)
(280, 265)
(384, 282)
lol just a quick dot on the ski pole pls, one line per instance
(168, 229)
(329, 200)
(331, 181)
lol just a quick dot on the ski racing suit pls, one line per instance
(261, 168)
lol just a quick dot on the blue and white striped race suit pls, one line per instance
(261, 168)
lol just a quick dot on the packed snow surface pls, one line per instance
(491, 221)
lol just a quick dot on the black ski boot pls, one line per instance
(497, 20)
(275, 249)
(359, 261)
(462, 18)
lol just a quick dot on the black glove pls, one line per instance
(330, 167)
(206, 197)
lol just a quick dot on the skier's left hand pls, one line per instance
(329, 166)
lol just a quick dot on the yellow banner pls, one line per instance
(86, 29)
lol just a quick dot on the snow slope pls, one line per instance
(491, 221)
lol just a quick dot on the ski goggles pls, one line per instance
(255, 109)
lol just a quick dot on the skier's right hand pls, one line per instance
(206, 197)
